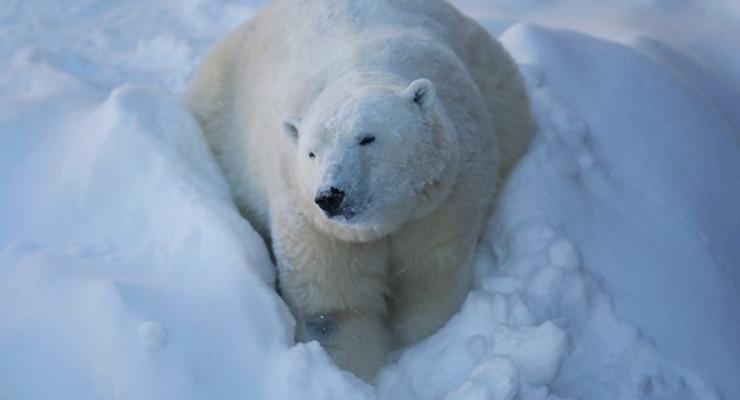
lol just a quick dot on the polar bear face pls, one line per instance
(373, 157)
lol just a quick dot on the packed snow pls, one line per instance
(611, 269)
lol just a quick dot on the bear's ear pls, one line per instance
(290, 128)
(421, 92)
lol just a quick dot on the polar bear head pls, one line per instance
(372, 156)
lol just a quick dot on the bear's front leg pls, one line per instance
(432, 273)
(337, 291)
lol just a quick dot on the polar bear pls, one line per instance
(365, 140)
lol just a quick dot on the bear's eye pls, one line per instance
(311, 155)
(367, 140)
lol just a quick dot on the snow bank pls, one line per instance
(141, 280)
(609, 272)
(657, 164)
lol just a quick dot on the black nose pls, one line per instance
(330, 200)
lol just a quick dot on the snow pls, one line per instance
(610, 271)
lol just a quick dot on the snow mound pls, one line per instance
(149, 284)
(651, 203)
(609, 271)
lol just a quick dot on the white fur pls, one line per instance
(449, 115)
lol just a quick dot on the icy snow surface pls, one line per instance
(611, 270)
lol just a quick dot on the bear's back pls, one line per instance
(334, 25)
(293, 49)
